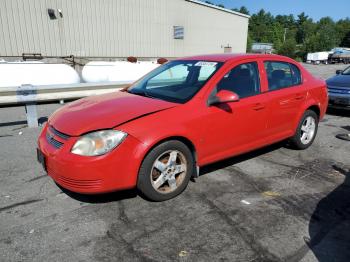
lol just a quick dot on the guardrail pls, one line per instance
(30, 95)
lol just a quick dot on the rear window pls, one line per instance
(282, 75)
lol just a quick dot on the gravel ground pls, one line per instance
(274, 204)
(324, 71)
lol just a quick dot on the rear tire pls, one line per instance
(165, 171)
(306, 131)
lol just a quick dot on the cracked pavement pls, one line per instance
(273, 204)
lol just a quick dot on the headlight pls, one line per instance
(98, 143)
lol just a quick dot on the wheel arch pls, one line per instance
(314, 106)
(145, 185)
(316, 109)
(179, 138)
(296, 140)
(182, 139)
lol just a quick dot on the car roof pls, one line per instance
(233, 57)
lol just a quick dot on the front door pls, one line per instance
(236, 127)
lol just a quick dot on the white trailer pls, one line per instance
(317, 58)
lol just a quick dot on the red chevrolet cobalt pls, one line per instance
(183, 115)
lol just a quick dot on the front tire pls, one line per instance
(306, 131)
(165, 171)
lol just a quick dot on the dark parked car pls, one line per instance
(339, 89)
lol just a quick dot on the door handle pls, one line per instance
(258, 107)
(299, 96)
(285, 102)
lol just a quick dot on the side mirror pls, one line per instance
(338, 72)
(223, 96)
(125, 88)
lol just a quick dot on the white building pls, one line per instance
(119, 28)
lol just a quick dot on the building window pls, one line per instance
(51, 14)
(179, 32)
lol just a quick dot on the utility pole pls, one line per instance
(284, 36)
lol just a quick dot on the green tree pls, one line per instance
(295, 37)
(249, 44)
(326, 35)
(277, 38)
(244, 10)
(343, 32)
(260, 26)
(287, 21)
(288, 48)
(305, 28)
(346, 40)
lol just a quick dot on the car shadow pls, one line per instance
(338, 112)
(347, 128)
(133, 193)
(241, 158)
(101, 198)
(329, 226)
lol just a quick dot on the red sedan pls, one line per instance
(185, 114)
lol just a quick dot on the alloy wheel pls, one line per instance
(168, 171)
(308, 129)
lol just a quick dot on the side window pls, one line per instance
(281, 75)
(296, 75)
(244, 80)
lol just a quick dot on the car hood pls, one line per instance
(339, 80)
(104, 112)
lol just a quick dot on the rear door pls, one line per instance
(286, 93)
(236, 127)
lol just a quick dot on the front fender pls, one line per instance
(169, 124)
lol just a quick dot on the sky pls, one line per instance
(316, 9)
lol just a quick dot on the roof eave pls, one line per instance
(219, 8)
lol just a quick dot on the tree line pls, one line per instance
(296, 36)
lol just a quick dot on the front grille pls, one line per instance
(58, 133)
(55, 137)
(339, 91)
(51, 140)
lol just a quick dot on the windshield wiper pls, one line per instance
(143, 93)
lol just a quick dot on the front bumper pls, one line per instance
(113, 171)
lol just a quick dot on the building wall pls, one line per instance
(118, 28)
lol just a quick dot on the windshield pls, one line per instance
(177, 81)
(346, 71)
